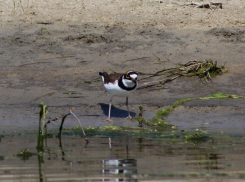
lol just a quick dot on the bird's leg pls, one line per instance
(129, 117)
(109, 113)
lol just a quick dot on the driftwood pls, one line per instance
(210, 5)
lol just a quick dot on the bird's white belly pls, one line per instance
(115, 90)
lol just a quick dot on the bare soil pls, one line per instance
(52, 52)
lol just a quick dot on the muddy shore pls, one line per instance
(52, 52)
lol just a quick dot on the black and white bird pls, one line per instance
(119, 85)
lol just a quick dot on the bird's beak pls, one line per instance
(133, 80)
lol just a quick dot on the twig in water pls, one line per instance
(63, 120)
(80, 125)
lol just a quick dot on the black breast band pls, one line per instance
(120, 83)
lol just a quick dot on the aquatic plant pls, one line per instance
(25, 154)
(158, 120)
(42, 129)
(42, 116)
(112, 128)
(198, 137)
(141, 119)
(224, 96)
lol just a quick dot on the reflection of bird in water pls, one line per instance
(121, 166)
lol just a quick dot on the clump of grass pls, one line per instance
(141, 119)
(207, 69)
(198, 137)
(156, 121)
(25, 154)
(20, 4)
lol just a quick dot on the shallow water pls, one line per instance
(122, 156)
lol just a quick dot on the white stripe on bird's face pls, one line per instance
(133, 76)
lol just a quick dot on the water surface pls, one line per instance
(121, 156)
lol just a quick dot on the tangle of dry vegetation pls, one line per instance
(206, 69)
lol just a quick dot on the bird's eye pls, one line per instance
(127, 76)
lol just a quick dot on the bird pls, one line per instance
(119, 84)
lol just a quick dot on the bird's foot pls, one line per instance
(108, 120)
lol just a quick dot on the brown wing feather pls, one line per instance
(110, 78)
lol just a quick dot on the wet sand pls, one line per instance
(50, 51)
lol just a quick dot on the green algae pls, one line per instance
(25, 154)
(198, 137)
(158, 120)
(157, 127)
